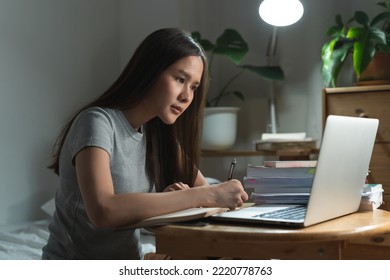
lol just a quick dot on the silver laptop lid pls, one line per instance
(342, 167)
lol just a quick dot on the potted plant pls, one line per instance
(230, 44)
(359, 37)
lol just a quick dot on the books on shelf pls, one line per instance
(372, 197)
(253, 171)
(282, 144)
(266, 180)
(179, 216)
(283, 136)
(280, 198)
(279, 182)
(290, 163)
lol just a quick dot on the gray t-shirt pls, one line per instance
(72, 235)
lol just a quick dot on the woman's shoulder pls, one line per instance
(98, 113)
(95, 115)
(112, 119)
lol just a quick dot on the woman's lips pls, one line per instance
(176, 109)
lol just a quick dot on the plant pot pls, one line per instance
(219, 128)
(377, 72)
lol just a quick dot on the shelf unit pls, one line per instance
(370, 102)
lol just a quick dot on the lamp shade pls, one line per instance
(281, 12)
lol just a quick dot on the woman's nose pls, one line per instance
(185, 95)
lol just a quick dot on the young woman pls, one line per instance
(133, 153)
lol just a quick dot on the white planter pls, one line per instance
(219, 128)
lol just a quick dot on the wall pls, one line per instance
(56, 55)
(298, 99)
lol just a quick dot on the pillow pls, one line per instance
(49, 207)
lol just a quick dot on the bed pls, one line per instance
(24, 241)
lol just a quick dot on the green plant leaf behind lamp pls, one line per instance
(277, 13)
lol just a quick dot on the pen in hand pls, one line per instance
(231, 171)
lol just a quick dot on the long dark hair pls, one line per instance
(173, 151)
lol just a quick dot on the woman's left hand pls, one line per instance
(176, 187)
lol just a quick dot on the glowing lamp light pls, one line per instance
(281, 12)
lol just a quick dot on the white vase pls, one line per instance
(219, 128)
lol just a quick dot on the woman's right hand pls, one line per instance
(230, 194)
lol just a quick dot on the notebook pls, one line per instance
(338, 182)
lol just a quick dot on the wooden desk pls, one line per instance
(329, 240)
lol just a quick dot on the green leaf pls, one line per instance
(339, 21)
(327, 61)
(365, 44)
(335, 31)
(196, 36)
(384, 4)
(333, 55)
(384, 48)
(267, 72)
(361, 17)
(381, 17)
(206, 44)
(239, 95)
(231, 44)
(362, 41)
(377, 36)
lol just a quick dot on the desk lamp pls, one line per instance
(277, 13)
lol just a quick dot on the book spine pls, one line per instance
(291, 163)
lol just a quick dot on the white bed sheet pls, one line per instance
(24, 241)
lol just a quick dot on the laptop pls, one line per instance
(338, 182)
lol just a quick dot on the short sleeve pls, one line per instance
(91, 128)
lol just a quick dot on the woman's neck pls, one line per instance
(137, 116)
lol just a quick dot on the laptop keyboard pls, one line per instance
(290, 213)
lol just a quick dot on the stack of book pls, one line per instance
(372, 197)
(286, 182)
(279, 144)
(289, 182)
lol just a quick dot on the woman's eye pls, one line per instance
(194, 88)
(181, 80)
